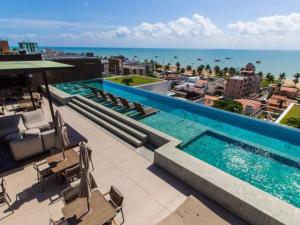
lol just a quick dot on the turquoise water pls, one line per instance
(273, 61)
(260, 170)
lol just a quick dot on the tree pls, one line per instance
(260, 73)
(270, 77)
(194, 72)
(225, 70)
(232, 71)
(296, 80)
(178, 67)
(229, 105)
(281, 77)
(167, 67)
(293, 122)
(127, 81)
(188, 68)
(200, 69)
(207, 67)
(182, 70)
(217, 70)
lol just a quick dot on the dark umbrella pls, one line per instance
(85, 182)
(62, 140)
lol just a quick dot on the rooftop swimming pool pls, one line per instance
(263, 154)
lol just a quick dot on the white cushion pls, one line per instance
(11, 124)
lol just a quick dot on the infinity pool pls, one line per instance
(254, 152)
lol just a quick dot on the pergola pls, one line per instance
(29, 67)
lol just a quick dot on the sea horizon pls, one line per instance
(272, 60)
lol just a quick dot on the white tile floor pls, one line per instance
(150, 193)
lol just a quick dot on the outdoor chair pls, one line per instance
(43, 171)
(144, 111)
(72, 174)
(126, 104)
(116, 199)
(62, 221)
(4, 197)
(72, 192)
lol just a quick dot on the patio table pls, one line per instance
(101, 211)
(58, 164)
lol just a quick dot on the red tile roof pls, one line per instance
(289, 89)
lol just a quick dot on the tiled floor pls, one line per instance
(150, 193)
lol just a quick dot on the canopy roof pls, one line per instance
(31, 66)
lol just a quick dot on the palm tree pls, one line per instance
(260, 73)
(178, 67)
(225, 69)
(281, 77)
(188, 67)
(167, 67)
(270, 77)
(217, 70)
(232, 71)
(182, 70)
(296, 80)
(194, 72)
(293, 122)
(207, 67)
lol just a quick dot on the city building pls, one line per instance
(115, 65)
(208, 100)
(243, 85)
(278, 101)
(249, 106)
(29, 47)
(4, 47)
(289, 92)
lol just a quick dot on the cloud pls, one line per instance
(197, 26)
(17, 23)
(277, 25)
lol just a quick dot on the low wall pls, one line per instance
(242, 199)
(259, 126)
(159, 87)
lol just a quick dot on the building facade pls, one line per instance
(243, 85)
(29, 47)
(4, 47)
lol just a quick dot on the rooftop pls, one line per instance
(150, 193)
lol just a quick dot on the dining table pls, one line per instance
(100, 210)
(58, 163)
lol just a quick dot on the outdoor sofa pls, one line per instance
(27, 134)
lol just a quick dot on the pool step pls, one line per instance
(123, 131)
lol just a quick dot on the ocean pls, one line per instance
(272, 61)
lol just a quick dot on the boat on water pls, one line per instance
(199, 59)
(175, 57)
(258, 61)
(228, 58)
(217, 60)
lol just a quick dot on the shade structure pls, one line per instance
(37, 66)
(85, 181)
(62, 140)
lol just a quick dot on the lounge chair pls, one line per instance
(144, 111)
(61, 221)
(114, 99)
(126, 104)
(116, 200)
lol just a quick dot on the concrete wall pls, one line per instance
(159, 87)
(85, 68)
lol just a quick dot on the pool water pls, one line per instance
(273, 176)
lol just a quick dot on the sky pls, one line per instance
(226, 24)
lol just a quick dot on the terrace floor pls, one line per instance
(150, 193)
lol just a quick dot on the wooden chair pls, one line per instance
(4, 197)
(72, 174)
(144, 111)
(72, 192)
(116, 199)
(43, 171)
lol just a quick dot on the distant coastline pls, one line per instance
(271, 61)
